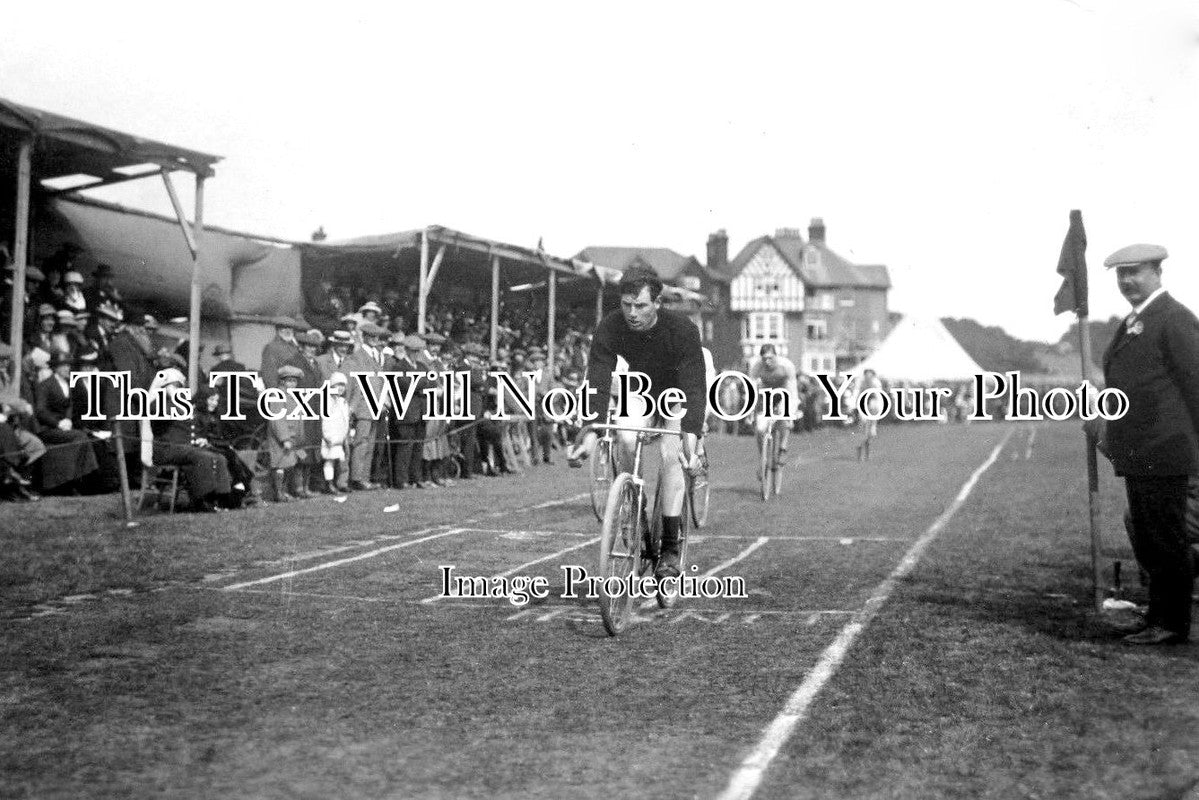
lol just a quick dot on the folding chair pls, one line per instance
(156, 482)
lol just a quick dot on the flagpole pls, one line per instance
(1084, 349)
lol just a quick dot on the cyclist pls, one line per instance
(665, 346)
(772, 371)
(869, 427)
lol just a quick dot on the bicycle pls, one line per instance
(630, 543)
(770, 465)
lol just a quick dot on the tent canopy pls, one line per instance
(69, 147)
(920, 350)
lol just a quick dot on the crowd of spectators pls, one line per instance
(74, 324)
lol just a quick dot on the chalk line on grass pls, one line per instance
(744, 782)
(1032, 436)
(407, 540)
(761, 540)
(340, 561)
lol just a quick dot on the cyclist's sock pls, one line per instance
(671, 529)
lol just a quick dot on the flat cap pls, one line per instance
(370, 305)
(341, 337)
(434, 338)
(1135, 254)
(288, 371)
(72, 277)
(34, 274)
(110, 311)
(414, 341)
(312, 337)
(46, 310)
(66, 317)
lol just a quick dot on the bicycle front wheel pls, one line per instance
(620, 552)
(776, 464)
(764, 476)
(699, 492)
(602, 472)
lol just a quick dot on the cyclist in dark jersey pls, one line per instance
(665, 346)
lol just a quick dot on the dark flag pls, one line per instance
(1072, 266)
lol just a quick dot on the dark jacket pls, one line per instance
(1158, 369)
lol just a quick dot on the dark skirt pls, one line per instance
(206, 472)
(69, 457)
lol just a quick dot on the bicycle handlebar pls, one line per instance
(597, 426)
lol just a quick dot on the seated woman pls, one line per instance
(211, 434)
(69, 457)
(175, 443)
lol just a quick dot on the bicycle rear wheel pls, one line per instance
(764, 476)
(602, 471)
(620, 552)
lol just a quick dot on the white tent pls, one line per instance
(920, 350)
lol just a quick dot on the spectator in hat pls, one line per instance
(341, 342)
(99, 431)
(42, 335)
(103, 290)
(217, 435)
(408, 430)
(102, 327)
(130, 351)
(177, 443)
(285, 444)
(283, 349)
(335, 434)
(366, 359)
(19, 447)
(73, 298)
(1154, 360)
(66, 337)
(370, 312)
(310, 345)
(69, 457)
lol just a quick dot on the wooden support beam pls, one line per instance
(495, 305)
(422, 289)
(20, 255)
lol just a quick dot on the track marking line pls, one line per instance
(517, 569)
(1031, 438)
(744, 782)
(699, 537)
(391, 537)
(341, 561)
(508, 532)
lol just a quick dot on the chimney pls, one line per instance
(718, 250)
(816, 231)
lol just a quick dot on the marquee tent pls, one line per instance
(920, 350)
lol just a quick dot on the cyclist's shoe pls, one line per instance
(668, 565)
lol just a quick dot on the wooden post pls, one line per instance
(495, 305)
(599, 300)
(549, 345)
(424, 272)
(1093, 505)
(193, 328)
(123, 472)
(20, 256)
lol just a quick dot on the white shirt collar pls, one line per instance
(1158, 292)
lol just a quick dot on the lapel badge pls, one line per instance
(1136, 328)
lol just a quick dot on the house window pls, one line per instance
(821, 301)
(767, 286)
(817, 330)
(846, 302)
(763, 325)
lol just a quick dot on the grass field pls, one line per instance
(931, 606)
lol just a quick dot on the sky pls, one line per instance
(946, 140)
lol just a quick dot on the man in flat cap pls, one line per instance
(408, 430)
(283, 349)
(1154, 360)
(368, 358)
